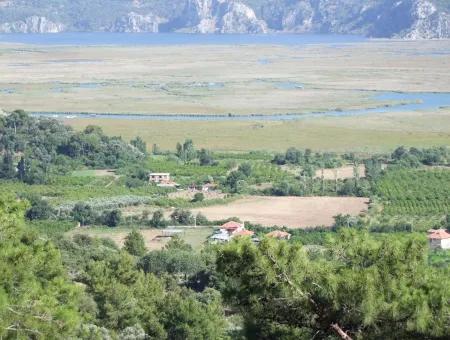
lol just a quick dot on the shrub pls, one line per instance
(112, 218)
(198, 197)
(83, 213)
(158, 220)
(182, 217)
(40, 209)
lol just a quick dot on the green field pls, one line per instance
(370, 134)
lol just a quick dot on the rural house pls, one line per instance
(229, 230)
(439, 239)
(161, 179)
(232, 227)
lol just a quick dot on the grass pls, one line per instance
(439, 257)
(196, 237)
(83, 173)
(51, 228)
(375, 133)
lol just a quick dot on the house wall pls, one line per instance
(159, 178)
(445, 244)
(440, 244)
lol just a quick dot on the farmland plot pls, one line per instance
(294, 212)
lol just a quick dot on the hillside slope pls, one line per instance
(410, 19)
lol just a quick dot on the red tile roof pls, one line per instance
(244, 233)
(440, 234)
(231, 226)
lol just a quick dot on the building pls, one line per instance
(280, 235)
(162, 179)
(230, 230)
(232, 227)
(159, 177)
(220, 237)
(439, 239)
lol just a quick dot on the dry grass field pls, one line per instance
(294, 212)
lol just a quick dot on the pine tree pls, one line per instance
(37, 300)
(135, 244)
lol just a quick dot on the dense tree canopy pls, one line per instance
(361, 286)
(33, 149)
(37, 300)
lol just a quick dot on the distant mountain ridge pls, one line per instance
(409, 19)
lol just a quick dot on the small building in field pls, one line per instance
(159, 177)
(280, 235)
(439, 239)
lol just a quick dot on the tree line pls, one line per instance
(33, 150)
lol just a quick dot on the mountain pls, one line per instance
(409, 19)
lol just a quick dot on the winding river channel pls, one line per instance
(403, 102)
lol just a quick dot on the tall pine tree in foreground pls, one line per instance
(36, 298)
(358, 288)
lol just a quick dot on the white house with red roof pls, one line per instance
(439, 239)
(229, 230)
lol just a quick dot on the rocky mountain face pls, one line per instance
(221, 16)
(32, 24)
(428, 22)
(409, 19)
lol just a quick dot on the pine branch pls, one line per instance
(340, 332)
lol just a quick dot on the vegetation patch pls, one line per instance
(415, 192)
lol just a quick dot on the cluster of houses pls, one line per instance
(439, 239)
(233, 229)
